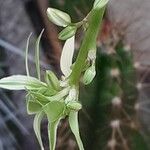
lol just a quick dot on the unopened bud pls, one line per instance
(74, 105)
(58, 17)
(89, 75)
(67, 33)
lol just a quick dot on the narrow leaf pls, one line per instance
(89, 75)
(52, 133)
(20, 82)
(26, 55)
(66, 56)
(58, 17)
(37, 127)
(100, 3)
(73, 122)
(38, 97)
(37, 58)
(67, 33)
(52, 80)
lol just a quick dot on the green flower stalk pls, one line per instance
(57, 99)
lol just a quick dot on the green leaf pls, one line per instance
(38, 97)
(26, 58)
(37, 127)
(46, 91)
(33, 107)
(37, 58)
(89, 75)
(73, 122)
(54, 110)
(100, 3)
(20, 82)
(58, 17)
(52, 80)
(66, 56)
(67, 33)
(52, 133)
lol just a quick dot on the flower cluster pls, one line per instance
(54, 98)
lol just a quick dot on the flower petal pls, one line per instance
(52, 133)
(20, 82)
(73, 122)
(37, 126)
(66, 56)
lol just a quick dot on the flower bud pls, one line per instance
(58, 17)
(67, 33)
(74, 105)
(89, 75)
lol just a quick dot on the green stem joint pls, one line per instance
(89, 43)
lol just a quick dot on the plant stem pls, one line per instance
(89, 43)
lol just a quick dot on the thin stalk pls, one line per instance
(37, 55)
(26, 55)
(89, 43)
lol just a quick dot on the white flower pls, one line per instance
(66, 56)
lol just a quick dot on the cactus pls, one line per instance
(110, 101)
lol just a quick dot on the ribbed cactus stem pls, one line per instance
(115, 105)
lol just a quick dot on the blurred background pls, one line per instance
(18, 18)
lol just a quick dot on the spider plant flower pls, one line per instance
(90, 72)
(54, 98)
(49, 98)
